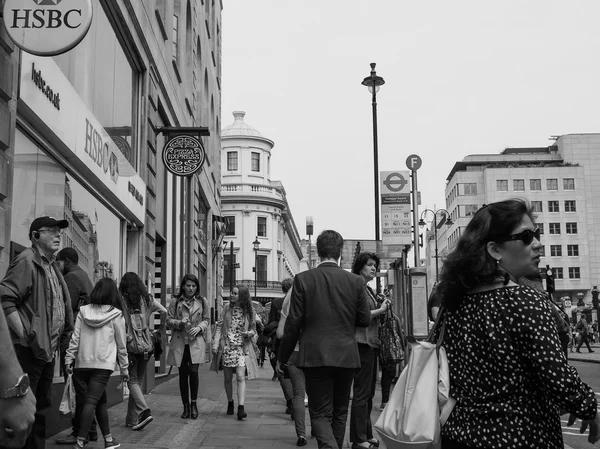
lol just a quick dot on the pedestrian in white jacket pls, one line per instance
(98, 342)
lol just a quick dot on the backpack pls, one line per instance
(139, 335)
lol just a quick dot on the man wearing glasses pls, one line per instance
(36, 302)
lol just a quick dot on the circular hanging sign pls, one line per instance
(47, 27)
(183, 155)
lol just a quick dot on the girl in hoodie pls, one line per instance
(98, 340)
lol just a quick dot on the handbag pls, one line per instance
(67, 403)
(420, 403)
(157, 340)
(390, 350)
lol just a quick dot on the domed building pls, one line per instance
(260, 230)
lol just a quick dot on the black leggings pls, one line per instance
(188, 370)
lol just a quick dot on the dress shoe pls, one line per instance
(186, 412)
(301, 441)
(374, 442)
(591, 350)
(193, 410)
(359, 446)
(230, 408)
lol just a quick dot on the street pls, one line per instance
(590, 373)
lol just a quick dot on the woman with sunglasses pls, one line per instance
(508, 374)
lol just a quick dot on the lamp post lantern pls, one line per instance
(373, 83)
(448, 222)
(256, 245)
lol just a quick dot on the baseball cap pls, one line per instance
(50, 222)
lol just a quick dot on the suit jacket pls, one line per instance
(326, 306)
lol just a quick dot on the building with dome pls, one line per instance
(257, 214)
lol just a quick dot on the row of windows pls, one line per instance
(557, 250)
(229, 271)
(554, 228)
(574, 272)
(232, 161)
(534, 184)
(261, 226)
(554, 206)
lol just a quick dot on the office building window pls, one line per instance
(536, 206)
(232, 160)
(230, 225)
(555, 250)
(261, 226)
(542, 251)
(558, 273)
(261, 271)
(552, 184)
(541, 226)
(535, 184)
(229, 271)
(574, 273)
(502, 185)
(519, 184)
(553, 206)
(570, 206)
(569, 184)
(573, 250)
(554, 228)
(175, 36)
(571, 228)
(469, 189)
(255, 166)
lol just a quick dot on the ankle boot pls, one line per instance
(186, 411)
(230, 408)
(193, 410)
(241, 413)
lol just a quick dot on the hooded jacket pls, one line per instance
(99, 339)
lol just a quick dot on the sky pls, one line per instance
(461, 77)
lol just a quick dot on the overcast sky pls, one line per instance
(461, 77)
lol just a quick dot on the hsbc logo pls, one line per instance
(47, 2)
(47, 27)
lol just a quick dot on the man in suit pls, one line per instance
(327, 304)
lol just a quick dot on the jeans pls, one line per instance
(299, 389)
(365, 380)
(80, 391)
(137, 402)
(388, 372)
(95, 400)
(40, 375)
(188, 372)
(328, 390)
(584, 339)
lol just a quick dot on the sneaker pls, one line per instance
(112, 445)
(145, 418)
(68, 440)
(382, 406)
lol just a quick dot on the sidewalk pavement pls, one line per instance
(585, 355)
(267, 425)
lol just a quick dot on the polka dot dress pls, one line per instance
(509, 374)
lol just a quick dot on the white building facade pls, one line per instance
(562, 183)
(256, 210)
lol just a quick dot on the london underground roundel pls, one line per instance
(47, 27)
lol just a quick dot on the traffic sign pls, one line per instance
(413, 162)
(395, 207)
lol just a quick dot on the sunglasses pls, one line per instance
(525, 236)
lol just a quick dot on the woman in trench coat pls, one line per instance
(188, 318)
(235, 335)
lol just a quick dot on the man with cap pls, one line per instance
(37, 306)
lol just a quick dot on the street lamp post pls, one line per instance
(435, 228)
(373, 83)
(309, 232)
(256, 244)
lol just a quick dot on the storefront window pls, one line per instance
(104, 78)
(42, 187)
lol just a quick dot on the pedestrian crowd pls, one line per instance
(327, 339)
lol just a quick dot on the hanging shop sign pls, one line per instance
(47, 27)
(183, 155)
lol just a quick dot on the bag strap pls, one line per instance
(440, 323)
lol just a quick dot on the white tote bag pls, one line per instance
(420, 403)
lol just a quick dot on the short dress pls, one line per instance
(233, 352)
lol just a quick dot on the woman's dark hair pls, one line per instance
(244, 301)
(184, 280)
(133, 291)
(469, 264)
(106, 293)
(362, 259)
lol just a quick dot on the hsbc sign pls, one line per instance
(47, 27)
